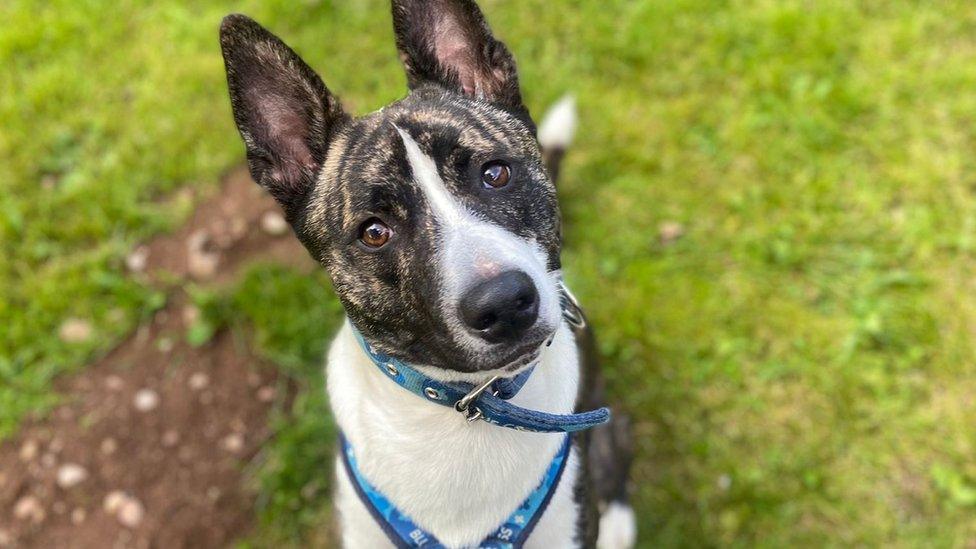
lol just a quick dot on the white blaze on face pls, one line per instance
(424, 169)
(471, 249)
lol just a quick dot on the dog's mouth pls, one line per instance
(521, 358)
(512, 359)
(531, 357)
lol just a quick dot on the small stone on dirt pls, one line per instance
(131, 513)
(29, 450)
(71, 475)
(48, 460)
(213, 493)
(237, 227)
(190, 314)
(75, 330)
(114, 383)
(266, 393)
(202, 255)
(113, 501)
(137, 259)
(56, 445)
(170, 438)
(199, 380)
(146, 400)
(29, 508)
(670, 231)
(274, 223)
(233, 443)
(109, 446)
(164, 344)
(127, 509)
(78, 515)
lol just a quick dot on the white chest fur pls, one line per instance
(457, 480)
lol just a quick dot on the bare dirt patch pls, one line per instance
(151, 445)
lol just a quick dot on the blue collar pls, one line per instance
(405, 534)
(486, 401)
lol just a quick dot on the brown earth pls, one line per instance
(151, 445)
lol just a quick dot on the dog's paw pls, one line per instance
(618, 527)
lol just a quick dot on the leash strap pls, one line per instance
(478, 402)
(406, 535)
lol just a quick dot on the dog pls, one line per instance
(437, 220)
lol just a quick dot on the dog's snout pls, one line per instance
(501, 308)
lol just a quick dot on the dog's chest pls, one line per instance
(457, 480)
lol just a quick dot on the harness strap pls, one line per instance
(405, 534)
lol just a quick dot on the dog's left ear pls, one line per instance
(448, 42)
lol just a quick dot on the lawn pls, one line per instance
(797, 352)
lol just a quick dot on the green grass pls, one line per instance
(289, 316)
(799, 363)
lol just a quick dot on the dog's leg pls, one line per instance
(610, 458)
(608, 449)
(609, 455)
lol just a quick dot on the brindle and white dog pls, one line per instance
(437, 219)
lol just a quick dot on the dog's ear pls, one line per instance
(449, 42)
(284, 112)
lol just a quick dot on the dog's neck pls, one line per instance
(428, 459)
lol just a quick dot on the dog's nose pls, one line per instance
(500, 308)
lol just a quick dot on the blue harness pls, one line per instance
(405, 534)
(487, 401)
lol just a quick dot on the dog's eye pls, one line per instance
(495, 174)
(374, 233)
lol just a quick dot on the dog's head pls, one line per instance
(434, 216)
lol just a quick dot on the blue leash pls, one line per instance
(478, 402)
(405, 534)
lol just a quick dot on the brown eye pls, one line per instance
(374, 233)
(495, 174)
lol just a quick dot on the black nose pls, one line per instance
(501, 308)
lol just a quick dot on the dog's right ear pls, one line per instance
(284, 112)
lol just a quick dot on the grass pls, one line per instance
(294, 476)
(800, 363)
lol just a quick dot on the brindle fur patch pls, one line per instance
(391, 294)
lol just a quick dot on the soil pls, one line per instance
(163, 432)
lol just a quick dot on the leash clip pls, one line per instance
(464, 404)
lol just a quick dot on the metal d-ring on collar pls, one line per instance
(572, 311)
(464, 405)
